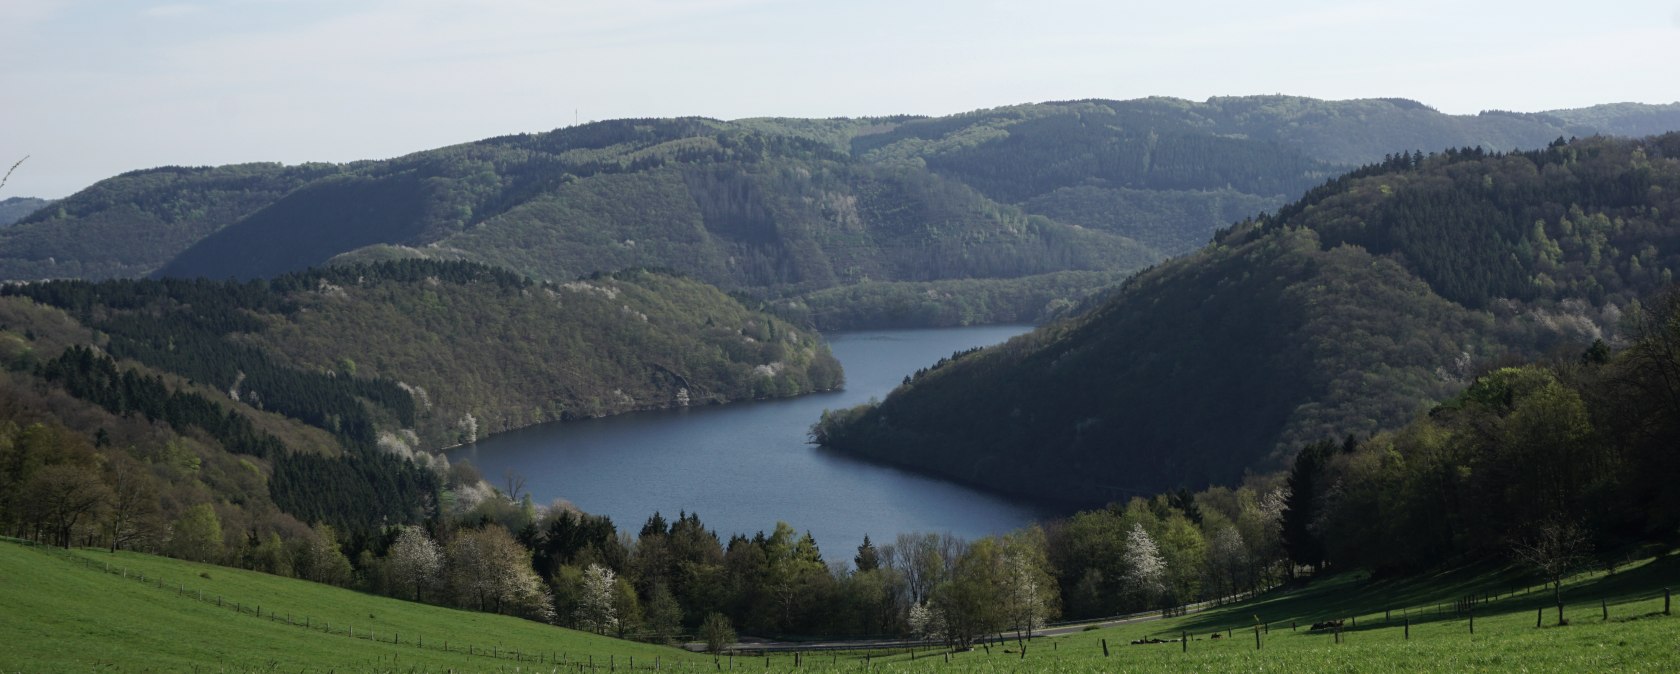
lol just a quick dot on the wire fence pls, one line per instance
(1464, 609)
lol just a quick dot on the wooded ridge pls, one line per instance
(779, 208)
(316, 397)
(1376, 296)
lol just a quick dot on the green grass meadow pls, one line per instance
(65, 612)
(59, 613)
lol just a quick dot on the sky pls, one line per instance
(93, 88)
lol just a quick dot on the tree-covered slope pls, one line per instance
(776, 207)
(434, 353)
(1168, 172)
(313, 398)
(782, 224)
(15, 208)
(132, 224)
(511, 356)
(1347, 312)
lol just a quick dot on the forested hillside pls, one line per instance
(130, 225)
(778, 208)
(1377, 295)
(15, 208)
(267, 406)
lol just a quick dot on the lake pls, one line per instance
(744, 466)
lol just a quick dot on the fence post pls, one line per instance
(1105, 647)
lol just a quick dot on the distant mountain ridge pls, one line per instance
(13, 209)
(778, 207)
(1346, 312)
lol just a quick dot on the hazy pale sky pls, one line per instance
(92, 88)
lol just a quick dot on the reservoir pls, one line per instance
(742, 467)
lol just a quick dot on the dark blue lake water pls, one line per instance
(742, 467)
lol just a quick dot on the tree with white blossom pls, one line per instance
(415, 560)
(596, 610)
(1146, 571)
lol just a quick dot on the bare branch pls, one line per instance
(8, 175)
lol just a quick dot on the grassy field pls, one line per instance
(1636, 637)
(65, 612)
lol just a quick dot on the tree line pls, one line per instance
(1568, 459)
(1553, 464)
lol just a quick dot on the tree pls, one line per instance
(58, 497)
(664, 616)
(415, 560)
(717, 633)
(197, 535)
(626, 607)
(1184, 552)
(1300, 510)
(1146, 571)
(489, 570)
(134, 519)
(795, 574)
(1227, 559)
(1554, 548)
(926, 622)
(319, 558)
(926, 561)
(597, 612)
(1029, 597)
(971, 602)
(268, 554)
(868, 558)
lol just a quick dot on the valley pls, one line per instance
(510, 376)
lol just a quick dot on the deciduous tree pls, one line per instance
(596, 611)
(415, 560)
